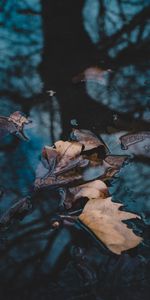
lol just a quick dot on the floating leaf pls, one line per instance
(116, 161)
(64, 163)
(80, 160)
(104, 218)
(14, 124)
(103, 169)
(88, 139)
(91, 190)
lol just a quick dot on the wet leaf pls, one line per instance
(116, 161)
(88, 139)
(64, 163)
(104, 218)
(103, 169)
(14, 124)
(91, 190)
(133, 138)
(76, 162)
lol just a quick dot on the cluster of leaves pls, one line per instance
(79, 170)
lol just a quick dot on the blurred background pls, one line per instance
(85, 61)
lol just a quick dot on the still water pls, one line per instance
(44, 46)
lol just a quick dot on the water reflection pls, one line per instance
(20, 47)
(105, 34)
(124, 89)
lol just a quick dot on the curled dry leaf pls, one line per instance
(104, 219)
(88, 139)
(133, 138)
(94, 189)
(76, 162)
(14, 124)
(64, 163)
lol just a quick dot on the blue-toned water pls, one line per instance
(43, 46)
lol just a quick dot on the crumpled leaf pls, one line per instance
(133, 138)
(104, 219)
(76, 162)
(94, 189)
(14, 124)
(88, 139)
(64, 163)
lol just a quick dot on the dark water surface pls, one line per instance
(43, 45)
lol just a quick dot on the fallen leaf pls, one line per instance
(14, 124)
(103, 169)
(116, 161)
(91, 190)
(104, 218)
(74, 162)
(64, 163)
(132, 138)
(88, 139)
(49, 158)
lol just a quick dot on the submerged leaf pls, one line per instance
(17, 210)
(133, 138)
(104, 219)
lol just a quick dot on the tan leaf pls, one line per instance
(64, 163)
(67, 151)
(104, 219)
(89, 190)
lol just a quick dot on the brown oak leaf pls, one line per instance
(104, 218)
